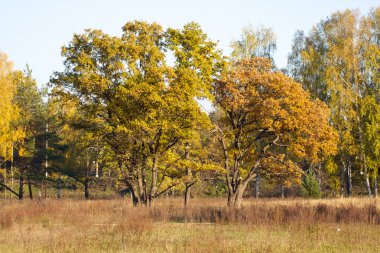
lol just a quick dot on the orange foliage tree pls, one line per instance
(267, 123)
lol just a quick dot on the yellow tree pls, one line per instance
(338, 63)
(259, 42)
(9, 133)
(141, 106)
(369, 48)
(29, 101)
(8, 110)
(268, 122)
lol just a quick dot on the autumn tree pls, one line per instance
(369, 35)
(73, 154)
(83, 159)
(336, 62)
(259, 42)
(13, 131)
(9, 114)
(142, 107)
(268, 122)
(31, 107)
(7, 109)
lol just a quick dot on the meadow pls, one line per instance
(206, 225)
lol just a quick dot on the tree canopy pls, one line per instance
(124, 114)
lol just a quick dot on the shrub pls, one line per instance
(310, 186)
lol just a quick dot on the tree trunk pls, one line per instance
(342, 181)
(238, 187)
(375, 186)
(30, 188)
(86, 189)
(5, 180)
(154, 181)
(12, 177)
(257, 186)
(282, 191)
(45, 189)
(140, 183)
(187, 194)
(96, 169)
(189, 175)
(230, 199)
(135, 199)
(59, 188)
(9, 189)
(368, 184)
(349, 180)
(319, 177)
(21, 188)
(239, 195)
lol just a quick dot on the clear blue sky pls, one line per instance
(33, 31)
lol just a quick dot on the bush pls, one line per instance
(310, 186)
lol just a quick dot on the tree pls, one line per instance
(9, 114)
(336, 62)
(139, 105)
(83, 158)
(31, 108)
(370, 112)
(71, 153)
(369, 107)
(259, 42)
(268, 122)
(310, 186)
(8, 111)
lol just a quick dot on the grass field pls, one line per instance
(267, 225)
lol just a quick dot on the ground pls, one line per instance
(268, 225)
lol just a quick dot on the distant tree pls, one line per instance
(31, 108)
(8, 111)
(259, 42)
(370, 102)
(337, 62)
(310, 186)
(9, 114)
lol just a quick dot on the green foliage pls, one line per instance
(217, 188)
(338, 62)
(28, 100)
(310, 186)
(128, 106)
(144, 109)
(331, 167)
(259, 42)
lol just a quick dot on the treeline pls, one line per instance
(126, 114)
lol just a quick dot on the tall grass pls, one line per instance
(262, 212)
(116, 226)
(269, 212)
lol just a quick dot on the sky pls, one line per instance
(33, 32)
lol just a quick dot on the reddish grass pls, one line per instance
(261, 212)
(272, 212)
(115, 225)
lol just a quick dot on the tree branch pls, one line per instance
(9, 189)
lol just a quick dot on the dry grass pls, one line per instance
(338, 225)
